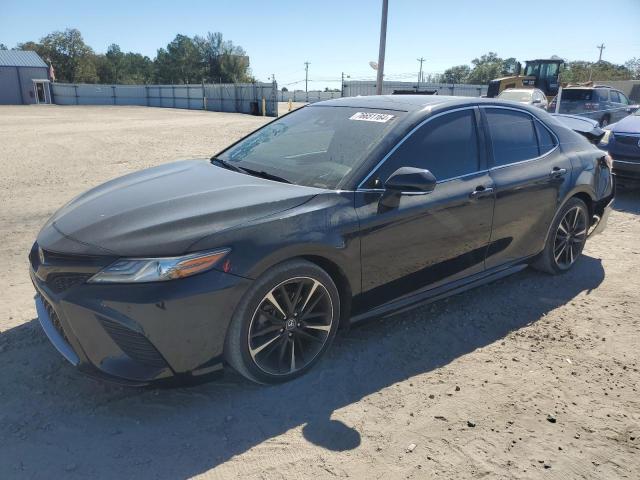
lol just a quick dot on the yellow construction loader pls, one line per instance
(541, 73)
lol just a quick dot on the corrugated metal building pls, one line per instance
(23, 78)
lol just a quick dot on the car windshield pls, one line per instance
(316, 146)
(516, 96)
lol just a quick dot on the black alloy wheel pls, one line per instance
(290, 326)
(284, 323)
(570, 238)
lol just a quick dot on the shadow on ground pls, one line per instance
(55, 422)
(628, 199)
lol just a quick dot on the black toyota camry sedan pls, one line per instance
(342, 210)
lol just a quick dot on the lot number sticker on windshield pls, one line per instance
(371, 117)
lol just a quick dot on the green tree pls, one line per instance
(3, 46)
(457, 74)
(73, 59)
(485, 68)
(633, 66)
(180, 62)
(581, 71)
(222, 60)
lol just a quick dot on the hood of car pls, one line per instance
(629, 124)
(163, 210)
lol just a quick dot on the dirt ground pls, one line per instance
(530, 377)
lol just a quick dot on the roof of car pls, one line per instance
(520, 90)
(404, 103)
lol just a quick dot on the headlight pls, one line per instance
(605, 138)
(138, 270)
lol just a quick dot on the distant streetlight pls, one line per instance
(383, 43)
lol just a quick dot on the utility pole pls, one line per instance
(306, 77)
(421, 59)
(383, 44)
(342, 84)
(600, 47)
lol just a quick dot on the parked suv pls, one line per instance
(601, 103)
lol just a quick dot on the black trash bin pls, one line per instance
(254, 108)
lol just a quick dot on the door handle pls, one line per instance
(558, 172)
(481, 191)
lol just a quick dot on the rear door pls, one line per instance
(530, 174)
(427, 239)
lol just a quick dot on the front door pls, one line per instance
(425, 240)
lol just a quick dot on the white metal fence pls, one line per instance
(310, 97)
(231, 97)
(355, 88)
(364, 88)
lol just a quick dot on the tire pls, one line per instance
(562, 250)
(299, 329)
(604, 121)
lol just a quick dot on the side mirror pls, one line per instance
(410, 179)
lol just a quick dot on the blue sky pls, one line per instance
(337, 36)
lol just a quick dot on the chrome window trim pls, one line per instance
(397, 145)
(535, 119)
(438, 182)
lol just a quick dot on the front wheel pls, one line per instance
(566, 239)
(284, 324)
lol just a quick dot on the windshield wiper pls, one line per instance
(263, 174)
(247, 171)
(227, 165)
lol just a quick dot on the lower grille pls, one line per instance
(134, 344)
(55, 320)
(59, 282)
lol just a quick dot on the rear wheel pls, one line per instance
(566, 239)
(604, 121)
(284, 324)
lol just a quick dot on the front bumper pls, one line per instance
(627, 168)
(138, 334)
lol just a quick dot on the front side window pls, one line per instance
(315, 146)
(447, 146)
(615, 98)
(513, 136)
(623, 99)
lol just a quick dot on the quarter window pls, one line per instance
(546, 142)
(513, 136)
(447, 146)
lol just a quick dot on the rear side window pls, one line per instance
(513, 136)
(603, 95)
(577, 94)
(447, 146)
(615, 98)
(546, 142)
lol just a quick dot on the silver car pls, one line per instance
(530, 96)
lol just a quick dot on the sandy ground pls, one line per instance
(530, 377)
